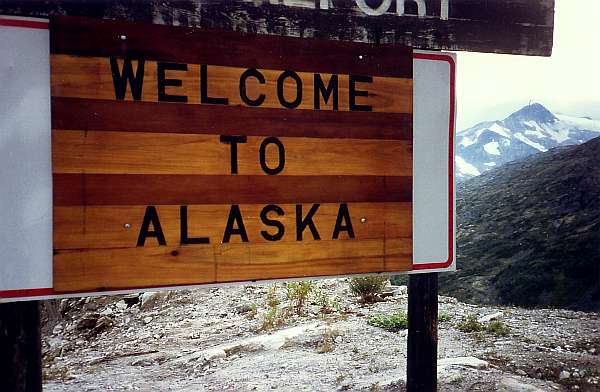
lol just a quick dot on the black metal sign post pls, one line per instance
(421, 361)
(20, 347)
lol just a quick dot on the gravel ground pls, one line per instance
(230, 338)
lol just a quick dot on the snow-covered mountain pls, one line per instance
(528, 131)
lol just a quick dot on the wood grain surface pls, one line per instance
(497, 26)
(102, 38)
(130, 189)
(91, 77)
(153, 192)
(135, 116)
(167, 153)
(111, 269)
(104, 225)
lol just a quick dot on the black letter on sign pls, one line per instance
(261, 79)
(163, 82)
(280, 81)
(151, 216)
(302, 223)
(263, 155)
(359, 93)
(233, 140)
(332, 87)
(271, 222)
(235, 216)
(343, 214)
(183, 230)
(120, 80)
(204, 98)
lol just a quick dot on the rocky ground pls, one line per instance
(250, 338)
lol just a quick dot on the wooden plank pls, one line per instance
(498, 26)
(89, 37)
(396, 252)
(103, 115)
(102, 227)
(162, 153)
(91, 77)
(331, 258)
(104, 269)
(123, 189)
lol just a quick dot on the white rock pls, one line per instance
(147, 319)
(489, 317)
(107, 312)
(267, 342)
(564, 375)
(399, 290)
(463, 361)
(508, 384)
(121, 305)
(213, 353)
(151, 298)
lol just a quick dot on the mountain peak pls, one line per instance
(530, 130)
(535, 111)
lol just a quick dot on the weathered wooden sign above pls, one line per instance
(498, 26)
(185, 157)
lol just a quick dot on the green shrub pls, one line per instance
(367, 287)
(444, 317)
(399, 280)
(274, 317)
(272, 300)
(393, 322)
(297, 294)
(498, 328)
(470, 324)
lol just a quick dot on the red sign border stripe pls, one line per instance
(26, 23)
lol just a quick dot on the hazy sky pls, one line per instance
(491, 86)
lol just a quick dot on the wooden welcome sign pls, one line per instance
(186, 156)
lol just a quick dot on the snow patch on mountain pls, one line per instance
(537, 134)
(559, 133)
(465, 168)
(580, 122)
(537, 129)
(466, 142)
(492, 148)
(533, 144)
(500, 130)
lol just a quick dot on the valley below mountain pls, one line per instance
(529, 232)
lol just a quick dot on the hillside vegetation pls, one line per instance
(529, 232)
